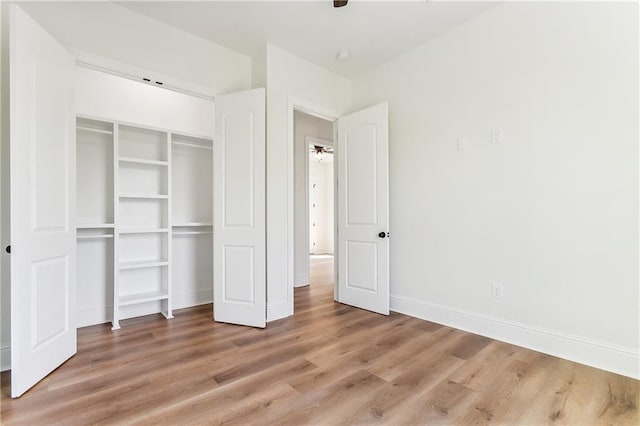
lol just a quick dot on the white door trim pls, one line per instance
(315, 110)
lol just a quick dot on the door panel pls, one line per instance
(239, 214)
(363, 209)
(360, 155)
(239, 164)
(42, 151)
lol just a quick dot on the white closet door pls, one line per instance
(239, 253)
(363, 209)
(43, 239)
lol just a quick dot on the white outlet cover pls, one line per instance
(496, 136)
(497, 290)
(462, 144)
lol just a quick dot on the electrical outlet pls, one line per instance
(497, 290)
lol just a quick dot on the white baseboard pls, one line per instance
(93, 316)
(277, 311)
(5, 358)
(602, 355)
(192, 299)
(102, 315)
(141, 309)
(301, 280)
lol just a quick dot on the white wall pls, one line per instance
(103, 95)
(304, 125)
(112, 31)
(259, 69)
(289, 77)
(322, 174)
(551, 212)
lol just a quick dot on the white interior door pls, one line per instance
(239, 253)
(363, 209)
(43, 236)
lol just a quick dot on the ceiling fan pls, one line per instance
(340, 3)
(320, 151)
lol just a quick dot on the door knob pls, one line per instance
(383, 234)
(8, 249)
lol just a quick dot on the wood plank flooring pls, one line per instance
(329, 364)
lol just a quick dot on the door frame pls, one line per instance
(302, 105)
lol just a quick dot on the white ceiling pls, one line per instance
(374, 32)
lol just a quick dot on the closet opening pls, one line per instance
(314, 198)
(144, 207)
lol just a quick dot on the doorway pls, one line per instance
(361, 205)
(314, 225)
(321, 211)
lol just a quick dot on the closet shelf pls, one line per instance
(90, 129)
(95, 226)
(151, 296)
(93, 236)
(143, 196)
(144, 231)
(192, 145)
(189, 224)
(177, 233)
(143, 161)
(143, 264)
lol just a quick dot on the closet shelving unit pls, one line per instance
(127, 197)
(143, 218)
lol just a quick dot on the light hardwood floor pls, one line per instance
(329, 364)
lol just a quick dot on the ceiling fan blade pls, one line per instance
(340, 3)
